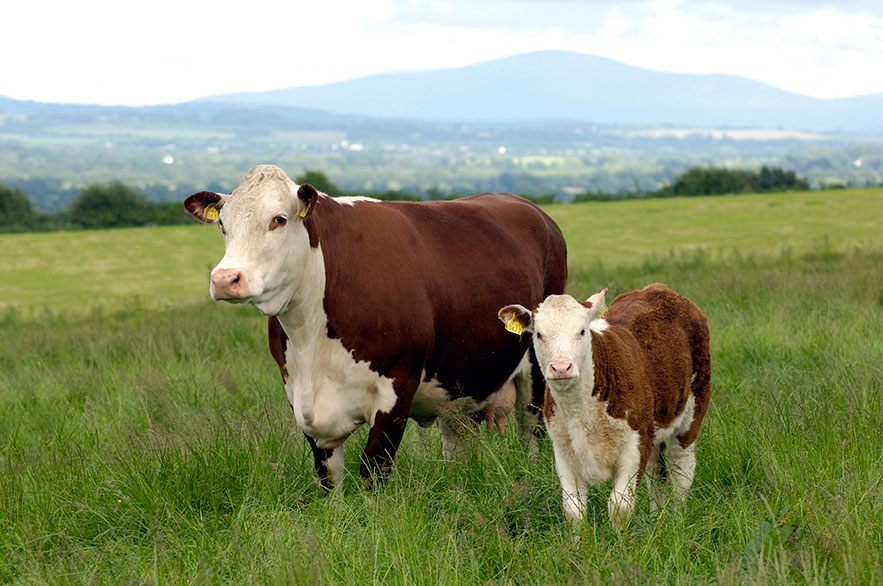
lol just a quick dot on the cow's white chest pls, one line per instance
(589, 441)
(331, 393)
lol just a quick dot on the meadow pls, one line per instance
(145, 437)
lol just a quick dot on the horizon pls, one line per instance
(820, 49)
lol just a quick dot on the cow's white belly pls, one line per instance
(331, 393)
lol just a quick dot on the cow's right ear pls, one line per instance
(517, 318)
(205, 206)
(596, 303)
(307, 196)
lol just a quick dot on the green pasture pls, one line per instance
(145, 437)
(165, 266)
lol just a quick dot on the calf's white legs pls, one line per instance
(573, 490)
(681, 464)
(625, 483)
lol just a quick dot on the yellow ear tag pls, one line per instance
(305, 211)
(210, 213)
(514, 326)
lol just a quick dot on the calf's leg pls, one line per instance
(655, 475)
(573, 488)
(681, 462)
(629, 469)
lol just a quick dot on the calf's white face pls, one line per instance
(266, 241)
(561, 334)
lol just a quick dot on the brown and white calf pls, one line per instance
(381, 311)
(626, 392)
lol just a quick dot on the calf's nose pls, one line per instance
(561, 370)
(228, 284)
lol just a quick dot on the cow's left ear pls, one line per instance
(205, 206)
(307, 195)
(595, 303)
(517, 318)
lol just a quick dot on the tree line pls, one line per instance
(110, 205)
(715, 181)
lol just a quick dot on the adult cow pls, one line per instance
(381, 311)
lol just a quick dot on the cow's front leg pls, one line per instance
(386, 433)
(629, 469)
(329, 464)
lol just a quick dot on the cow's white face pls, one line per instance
(561, 335)
(266, 240)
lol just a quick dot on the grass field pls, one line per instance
(145, 436)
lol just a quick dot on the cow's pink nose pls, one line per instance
(228, 284)
(561, 370)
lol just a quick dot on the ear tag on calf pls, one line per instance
(514, 326)
(211, 213)
(306, 210)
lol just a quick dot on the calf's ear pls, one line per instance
(595, 303)
(307, 195)
(517, 318)
(205, 206)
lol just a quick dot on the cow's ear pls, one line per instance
(517, 318)
(307, 196)
(205, 206)
(595, 303)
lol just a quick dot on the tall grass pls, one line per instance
(156, 446)
(145, 436)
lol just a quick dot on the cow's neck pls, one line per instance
(303, 318)
(577, 398)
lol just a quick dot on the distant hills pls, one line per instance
(540, 123)
(558, 85)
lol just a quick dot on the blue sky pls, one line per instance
(168, 51)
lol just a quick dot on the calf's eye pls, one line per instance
(582, 333)
(539, 336)
(278, 222)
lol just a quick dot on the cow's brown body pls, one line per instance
(413, 289)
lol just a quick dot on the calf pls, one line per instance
(626, 393)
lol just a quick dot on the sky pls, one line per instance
(170, 51)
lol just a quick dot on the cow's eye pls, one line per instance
(539, 336)
(582, 333)
(278, 222)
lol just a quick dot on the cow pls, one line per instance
(626, 393)
(384, 311)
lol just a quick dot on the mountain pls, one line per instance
(564, 85)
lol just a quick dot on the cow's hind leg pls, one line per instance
(655, 475)
(681, 464)
(455, 434)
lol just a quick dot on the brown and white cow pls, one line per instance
(381, 311)
(626, 392)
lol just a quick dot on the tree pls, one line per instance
(319, 180)
(16, 210)
(108, 205)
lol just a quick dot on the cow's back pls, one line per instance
(673, 334)
(425, 281)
